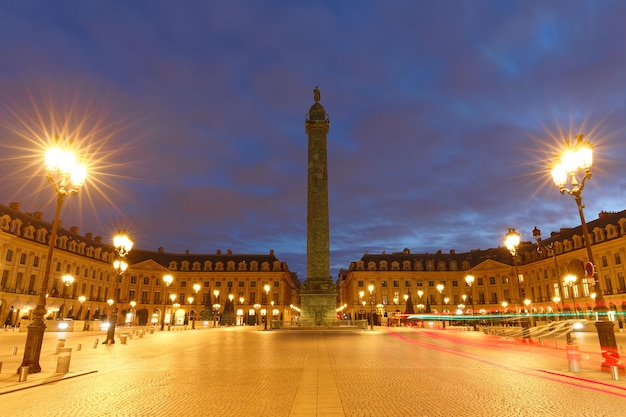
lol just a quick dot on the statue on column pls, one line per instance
(316, 94)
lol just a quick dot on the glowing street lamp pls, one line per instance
(67, 175)
(167, 280)
(123, 244)
(370, 288)
(570, 281)
(67, 281)
(267, 292)
(512, 241)
(216, 307)
(469, 280)
(81, 300)
(133, 303)
(576, 160)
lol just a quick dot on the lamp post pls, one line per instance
(578, 159)
(370, 288)
(67, 281)
(527, 303)
(257, 307)
(504, 311)
(167, 280)
(123, 244)
(267, 293)
(216, 307)
(469, 280)
(440, 288)
(570, 281)
(67, 175)
(420, 293)
(133, 303)
(552, 251)
(196, 288)
(81, 300)
(511, 241)
(169, 323)
(556, 300)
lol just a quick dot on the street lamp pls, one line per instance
(570, 281)
(196, 288)
(67, 281)
(578, 159)
(420, 293)
(267, 292)
(67, 175)
(370, 288)
(556, 300)
(440, 288)
(511, 241)
(552, 251)
(216, 307)
(123, 244)
(81, 300)
(469, 280)
(167, 280)
(133, 303)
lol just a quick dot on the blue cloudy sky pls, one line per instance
(444, 118)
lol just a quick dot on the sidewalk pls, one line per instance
(82, 362)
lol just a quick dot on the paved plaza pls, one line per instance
(244, 371)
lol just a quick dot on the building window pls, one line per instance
(455, 283)
(36, 261)
(605, 262)
(618, 259)
(276, 284)
(480, 282)
(383, 283)
(133, 279)
(396, 284)
(505, 279)
(407, 284)
(492, 280)
(431, 283)
(146, 281)
(253, 284)
(242, 284)
(359, 284)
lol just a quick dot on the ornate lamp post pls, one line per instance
(216, 307)
(570, 281)
(578, 159)
(196, 288)
(167, 280)
(267, 293)
(552, 252)
(420, 293)
(81, 300)
(370, 288)
(133, 303)
(123, 244)
(511, 241)
(440, 288)
(556, 300)
(67, 281)
(469, 280)
(67, 175)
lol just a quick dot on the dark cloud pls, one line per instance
(444, 117)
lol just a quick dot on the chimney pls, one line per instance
(15, 206)
(160, 249)
(219, 252)
(38, 215)
(230, 252)
(89, 235)
(74, 229)
(186, 251)
(98, 239)
(271, 252)
(452, 252)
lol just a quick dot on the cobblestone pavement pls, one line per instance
(243, 371)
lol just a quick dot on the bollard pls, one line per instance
(573, 358)
(615, 373)
(123, 338)
(95, 344)
(60, 344)
(0, 367)
(621, 348)
(79, 347)
(63, 362)
(23, 373)
(14, 351)
(141, 334)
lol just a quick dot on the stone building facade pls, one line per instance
(24, 241)
(541, 272)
